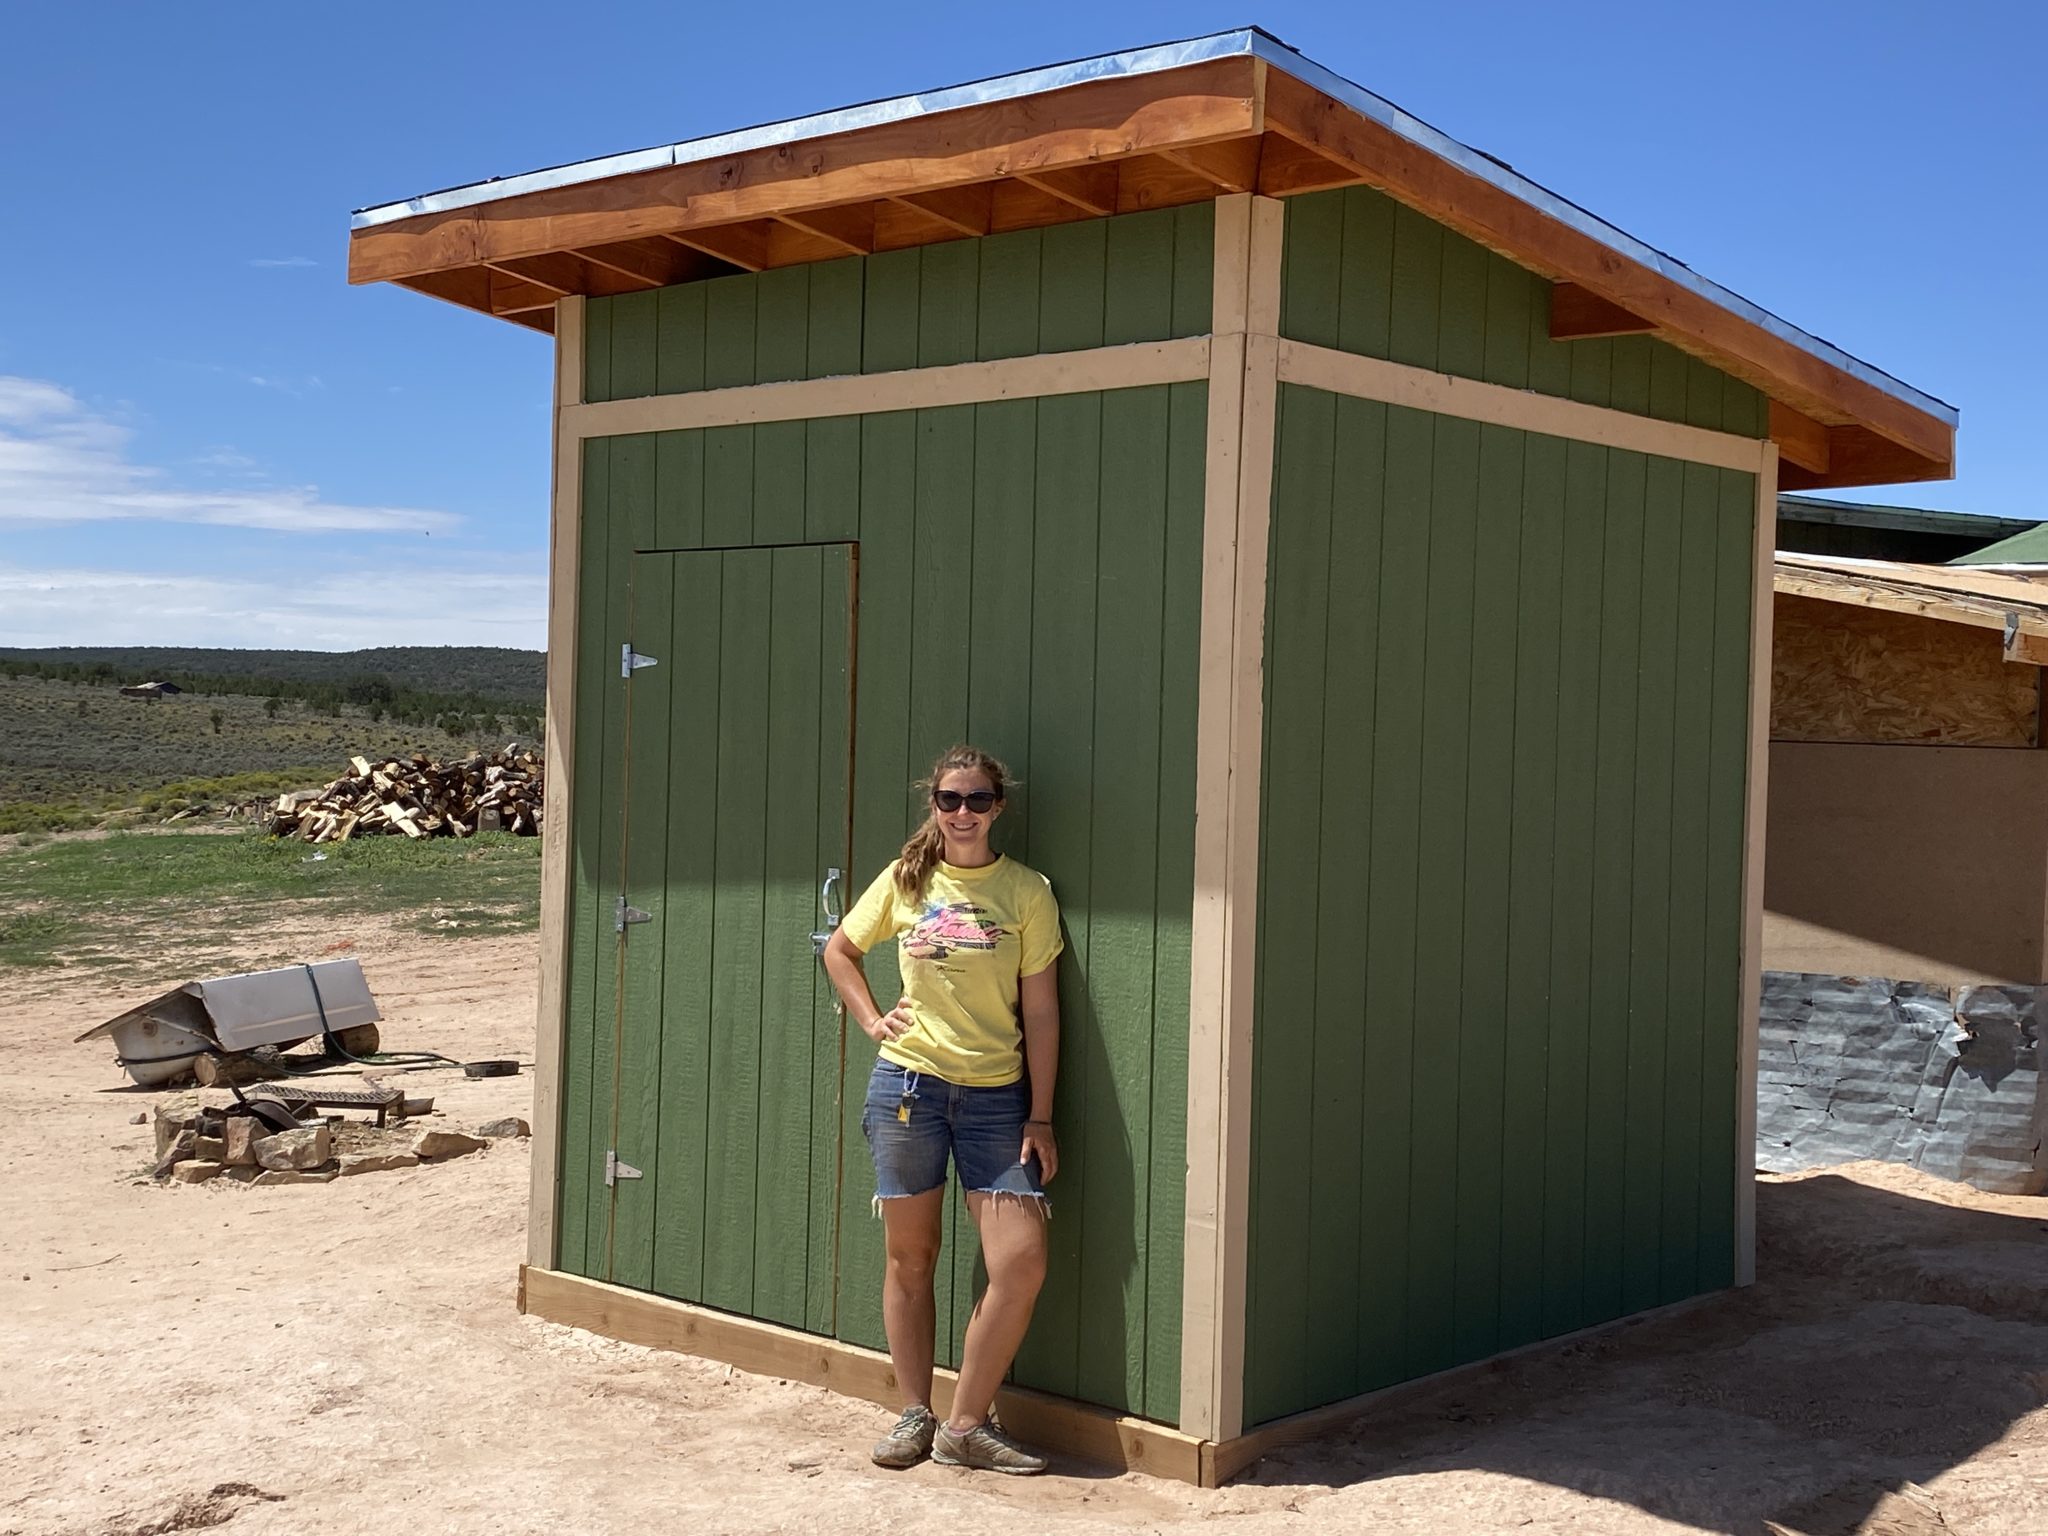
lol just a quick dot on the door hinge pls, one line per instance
(614, 1170)
(623, 915)
(631, 661)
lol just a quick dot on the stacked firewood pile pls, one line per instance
(416, 796)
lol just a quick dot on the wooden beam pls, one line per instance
(743, 245)
(1157, 181)
(566, 273)
(1231, 166)
(766, 1349)
(469, 287)
(963, 209)
(1502, 222)
(1287, 167)
(510, 295)
(557, 854)
(2023, 630)
(1422, 389)
(851, 229)
(1859, 456)
(1011, 378)
(1801, 440)
(657, 263)
(790, 245)
(1090, 188)
(1579, 314)
(1237, 509)
(1019, 205)
(1083, 125)
(1763, 563)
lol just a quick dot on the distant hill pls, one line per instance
(496, 674)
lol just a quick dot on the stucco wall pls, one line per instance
(1914, 863)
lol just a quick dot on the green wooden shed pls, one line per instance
(1355, 548)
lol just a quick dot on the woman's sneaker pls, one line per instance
(986, 1449)
(910, 1441)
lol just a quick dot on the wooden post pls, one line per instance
(557, 850)
(1238, 503)
(1754, 818)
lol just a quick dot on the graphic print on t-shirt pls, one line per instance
(941, 930)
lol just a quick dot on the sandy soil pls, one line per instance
(346, 1357)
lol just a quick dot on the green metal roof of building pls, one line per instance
(2027, 548)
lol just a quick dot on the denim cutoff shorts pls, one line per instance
(980, 1127)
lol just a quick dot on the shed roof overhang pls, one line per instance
(1156, 127)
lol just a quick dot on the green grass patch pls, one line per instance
(139, 893)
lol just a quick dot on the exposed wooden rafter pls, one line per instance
(1579, 314)
(743, 245)
(850, 228)
(1092, 188)
(1801, 440)
(965, 210)
(1232, 166)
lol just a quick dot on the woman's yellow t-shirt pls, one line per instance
(961, 950)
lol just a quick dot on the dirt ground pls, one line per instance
(346, 1357)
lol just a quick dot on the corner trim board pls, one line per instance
(556, 856)
(1755, 809)
(1373, 378)
(1010, 378)
(1237, 511)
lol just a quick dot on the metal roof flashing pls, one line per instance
(1152, 60)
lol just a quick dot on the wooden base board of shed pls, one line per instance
(1056, 1423)
(1097, 1434)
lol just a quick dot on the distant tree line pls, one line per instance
(466, 715)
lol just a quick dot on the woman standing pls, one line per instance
(966, 1067)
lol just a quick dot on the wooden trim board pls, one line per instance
(638, 1317)
(908, 389)
(1755, 816)
(1237, 512)
(1373, 378)
(556, 854)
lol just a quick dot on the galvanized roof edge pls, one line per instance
(896, 109)
(1151, 60)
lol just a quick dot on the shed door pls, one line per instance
(736, 806)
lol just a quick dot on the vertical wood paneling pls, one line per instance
(1509, 927)
(1282, 1337)
(829, 1028)
(781, 1223)
(704, 334)
(1363, 274)
(683, 1150)
(733, 1170)
(645, 774)
(587, 949)
(1006, 551)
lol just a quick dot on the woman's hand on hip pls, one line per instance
(893, 1025)
(1038, 1137)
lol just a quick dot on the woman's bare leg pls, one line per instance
(1012, 1229)
(910, 1227)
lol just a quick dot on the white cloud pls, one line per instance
(348, 610)
(282, 261)
(62, 462)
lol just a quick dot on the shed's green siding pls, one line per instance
(1029, 579)
(1499, 949)
(1365, 274)
(1141, 277)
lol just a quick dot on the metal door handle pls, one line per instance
(832, 913)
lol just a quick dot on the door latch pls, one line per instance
(631, 661)
(824, 935)
(623, 916)
(614, 1170)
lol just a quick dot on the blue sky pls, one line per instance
(208, 438)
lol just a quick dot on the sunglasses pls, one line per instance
(979, 801)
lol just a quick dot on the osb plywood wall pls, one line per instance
(1840, 673)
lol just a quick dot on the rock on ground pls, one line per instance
(445, 1144)
(511, 1125)
(307, 1147)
